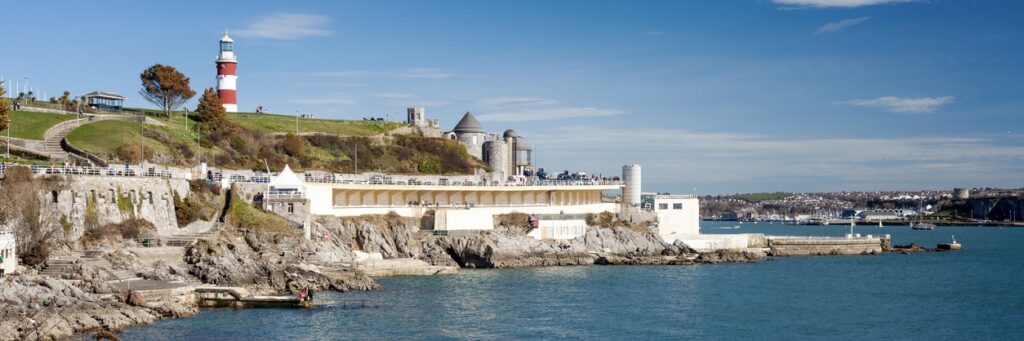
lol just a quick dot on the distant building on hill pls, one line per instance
(881, 214)
(107, 101)
(961, 193)
(416, 116)
(509, 155)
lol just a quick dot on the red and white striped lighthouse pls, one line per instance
(226, 76)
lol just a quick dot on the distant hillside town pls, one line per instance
(964, 205)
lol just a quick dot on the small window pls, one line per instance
(291, 208)
(662, 206)
(677, 206)
(54, 193)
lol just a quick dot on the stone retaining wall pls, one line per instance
(150, 199)
(822, 246)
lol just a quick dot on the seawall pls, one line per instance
(110, 200)
(821, 246)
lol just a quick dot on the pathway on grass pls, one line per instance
(53, 136)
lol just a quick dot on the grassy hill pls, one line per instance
(269, 123)
(119, 141)
(273, 123)
(32, 125)
(254, 141)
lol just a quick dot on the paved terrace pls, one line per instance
(535, 193)
(361, 182)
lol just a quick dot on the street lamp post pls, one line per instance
(142, 142)
(8, 136)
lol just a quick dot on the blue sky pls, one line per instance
(721, 96)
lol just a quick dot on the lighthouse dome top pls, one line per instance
(226, 38)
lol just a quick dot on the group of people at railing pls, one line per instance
(87, 170)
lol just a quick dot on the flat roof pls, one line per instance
(369, 187)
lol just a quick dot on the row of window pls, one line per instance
(55, 196)
(675, 206)
(6, 253)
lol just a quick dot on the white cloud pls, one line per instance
(837, 26)
(323, 101)
(432, 73)
(919, 105)
(512, 101)
(544, 114)
(837, 3)
(286, 26)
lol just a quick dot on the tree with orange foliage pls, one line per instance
(164, 86)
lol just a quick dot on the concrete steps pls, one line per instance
(184, 239)
(168, 254)
(95, 259)
(57, 266)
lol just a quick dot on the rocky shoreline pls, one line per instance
(82, 302)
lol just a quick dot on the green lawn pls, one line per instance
(104, 137)
(32, 125)
(269, 123)
(273, 123)
(244, 215)
(21, 159)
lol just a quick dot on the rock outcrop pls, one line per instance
(498, 250)
(265, 263)
(614, 245)
(37, 307)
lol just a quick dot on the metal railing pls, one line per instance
(286, 196)
(100, 171)
(330, 180)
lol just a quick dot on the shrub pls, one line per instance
(294, 145)
(130, 153)
(186, 210)
(133, 228)
(201, 186)
(17, 175)
(429, 165)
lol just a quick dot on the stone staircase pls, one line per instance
(55, 134)
(171, 255)
(57, 266)
(95, 259)
(185, 239)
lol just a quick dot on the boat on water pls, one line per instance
(922, 226)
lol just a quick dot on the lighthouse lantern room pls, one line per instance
(226, 74)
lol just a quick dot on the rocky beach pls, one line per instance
(82, 299)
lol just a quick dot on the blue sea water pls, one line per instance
(972, 294)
